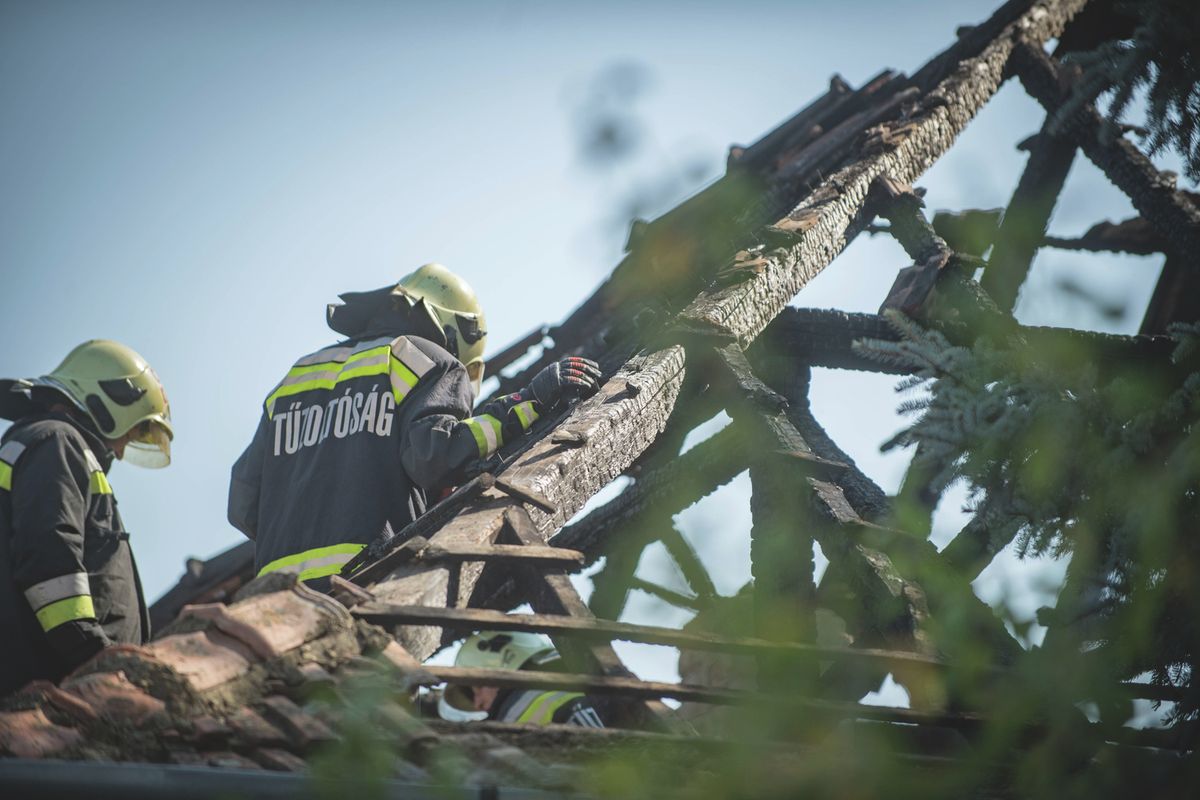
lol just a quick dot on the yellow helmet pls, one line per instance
(452, 306)
(121, 394)
(504, 650)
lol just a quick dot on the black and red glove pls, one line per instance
(570, 376)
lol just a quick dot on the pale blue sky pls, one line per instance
(198, 180)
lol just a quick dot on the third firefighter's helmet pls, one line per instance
(453, 307)
(504, 650)
(120, 393)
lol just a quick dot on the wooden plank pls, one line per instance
(594, 629)
(833, 211)
(509, 553)
(618, 426)
(634, 688)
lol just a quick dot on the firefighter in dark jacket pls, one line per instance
(515, 650)
(68, 583)
(358, 436)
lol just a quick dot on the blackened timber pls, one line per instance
(686, 558)
(601, 630)
(1027, 215)
(669, 596)
(834, 210)
(930, 253)
(793, 380)
(1176, 296)
(825, 338)
(617, 427)
(671, 487)
(1152, 193)
(1136, 236)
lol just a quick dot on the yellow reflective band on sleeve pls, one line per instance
(67, 610)
(98, 483)
(541, 711)
(487, 432)
(526, 414)
(318, 562)
(403, 379)
(10, 451)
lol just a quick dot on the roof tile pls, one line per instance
(252, 729)
(112, 694)
(303, 730)
(75, 707)
(30, 734)
(279, 760)
(204, 658)
(230, 760)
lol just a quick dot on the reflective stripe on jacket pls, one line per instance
(543, 708)
(69, 585)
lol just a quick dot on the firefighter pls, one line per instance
(68, 583)
(499, 650)
(358, 435)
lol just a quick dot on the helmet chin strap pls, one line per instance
(452, 713)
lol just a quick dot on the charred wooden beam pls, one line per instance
(600, 630)
(623, 551)
(1027, 215)
(1176, 296)
(833, 213)
(669, 596)
(825, 338)
(671, 488)
(1152, 193)
(914, 285)
(686, 558)
(1136, 236)
(617, 425)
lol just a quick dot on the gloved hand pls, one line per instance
(580, 375)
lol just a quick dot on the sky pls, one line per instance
(197, 180)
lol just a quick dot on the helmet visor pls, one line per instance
(149, 445)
